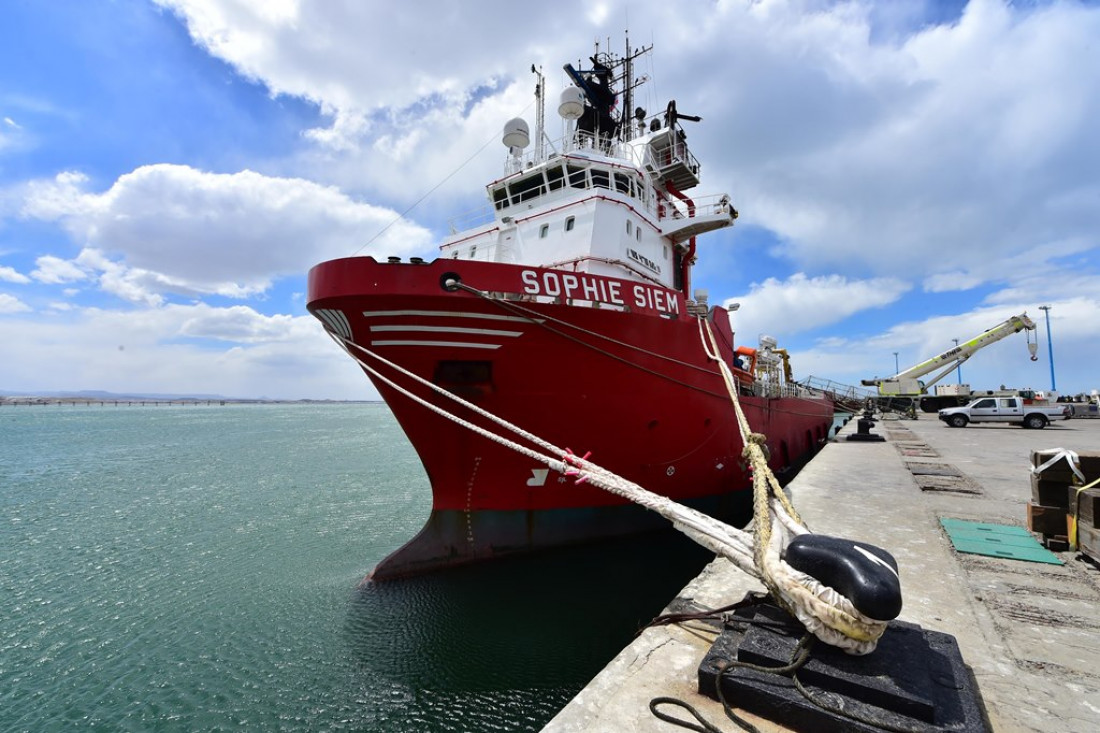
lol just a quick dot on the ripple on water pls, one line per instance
(197, 569)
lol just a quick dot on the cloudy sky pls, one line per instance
(908, 172)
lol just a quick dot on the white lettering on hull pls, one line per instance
(591, 287)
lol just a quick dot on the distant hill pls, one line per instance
(98, 395)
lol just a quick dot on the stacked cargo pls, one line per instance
(1065, 491)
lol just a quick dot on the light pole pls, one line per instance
(959, 368)
(1050, 347)
(897, 369)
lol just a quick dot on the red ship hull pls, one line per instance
(631, 383)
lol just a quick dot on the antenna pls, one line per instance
(540, 114)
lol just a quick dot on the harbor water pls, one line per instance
(198, 568)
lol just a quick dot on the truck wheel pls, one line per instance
(1035, 422)
(957, 421)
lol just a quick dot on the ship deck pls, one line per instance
(1028, 631)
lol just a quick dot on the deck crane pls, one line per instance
(907, 383)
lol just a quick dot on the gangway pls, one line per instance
(846, 397)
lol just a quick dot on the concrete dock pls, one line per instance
(1030, 632)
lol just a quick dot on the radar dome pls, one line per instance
(572, 103)
(516, 134)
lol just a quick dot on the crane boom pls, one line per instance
(907, 383)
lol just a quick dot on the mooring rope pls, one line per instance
(825, 612)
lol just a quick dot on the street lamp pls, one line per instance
(1050, 347)
(897, 369)
(959, 368)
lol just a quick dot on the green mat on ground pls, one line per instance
(997, 540)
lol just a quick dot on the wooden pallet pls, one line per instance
(1082, 527)
(1064, 514)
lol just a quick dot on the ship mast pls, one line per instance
(540, 114)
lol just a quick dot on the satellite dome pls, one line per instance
(516, 133)
(572, 103)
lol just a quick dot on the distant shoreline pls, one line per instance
(35, 400)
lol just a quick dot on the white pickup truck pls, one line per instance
(1014, 410)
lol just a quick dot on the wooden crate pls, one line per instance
(1049, 521)
(1050, 491)
(1088, 542)
(1084, 504)
(1060, 471)
(1088, 463)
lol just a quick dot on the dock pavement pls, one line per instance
(1029, 632)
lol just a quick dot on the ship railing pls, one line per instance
(578, 142)
(715, 203)
(473, 219)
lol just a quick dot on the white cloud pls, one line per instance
(1075, 326)
(196, 349)
(944, 282)
(11, 275)
(54, 270)
(860, 141)
(243, 325)
(968, 143)
(171, 228)
(801, 303)
(11, 304)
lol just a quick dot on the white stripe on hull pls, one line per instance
(446, 329)
(436, 344)
(336, 321)
(450, 314)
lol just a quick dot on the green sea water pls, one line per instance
(198, 568)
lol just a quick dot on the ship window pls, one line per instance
(527, 188)
(500, 198)
(543, 231)
(622, 183)
(638, 234)
(629, 227)
(600, 179)
(576, 177)
(473, 251)
(556, 177)
(569, 223)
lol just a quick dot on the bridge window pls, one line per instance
(527, 188)
(577, 178)
(622, 183)
(555, 176)
(600, 179)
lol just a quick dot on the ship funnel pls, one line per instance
(571, 106)
(516, 134)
